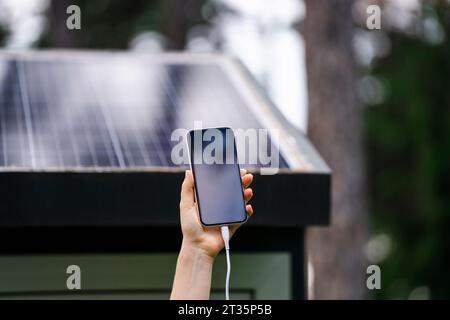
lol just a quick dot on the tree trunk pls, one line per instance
(335, 128)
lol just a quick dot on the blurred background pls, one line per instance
(376, 104)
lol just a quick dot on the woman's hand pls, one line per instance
(200, 245)
(208, 240)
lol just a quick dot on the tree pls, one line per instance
(335, 128)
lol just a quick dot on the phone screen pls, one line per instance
(218, 184)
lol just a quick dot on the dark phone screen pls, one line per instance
(218, 184)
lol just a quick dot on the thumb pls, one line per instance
(187, 191)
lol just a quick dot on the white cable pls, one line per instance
(226, 239)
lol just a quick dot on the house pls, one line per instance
(87, 177)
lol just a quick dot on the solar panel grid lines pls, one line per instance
(14, 143)
(162, 126)
(27, 112)
(92, 73)
(61, 141)
(83, 118)
(106, 115)
(117, 112)
(60, 123)
(131, 142)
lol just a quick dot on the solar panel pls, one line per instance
(65, 110)
(86, 139)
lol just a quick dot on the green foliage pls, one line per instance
(409, 165)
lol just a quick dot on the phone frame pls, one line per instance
(196, 198)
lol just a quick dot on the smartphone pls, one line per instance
(218, 186)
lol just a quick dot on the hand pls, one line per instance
(208, 240)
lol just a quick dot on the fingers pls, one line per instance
(249, 210)
(247, 179)
(187, 190)
(248, 194)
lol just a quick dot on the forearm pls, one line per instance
(193, 274)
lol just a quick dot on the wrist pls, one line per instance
(193, 273)
(191, 249)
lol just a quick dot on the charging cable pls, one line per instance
(226, 239)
